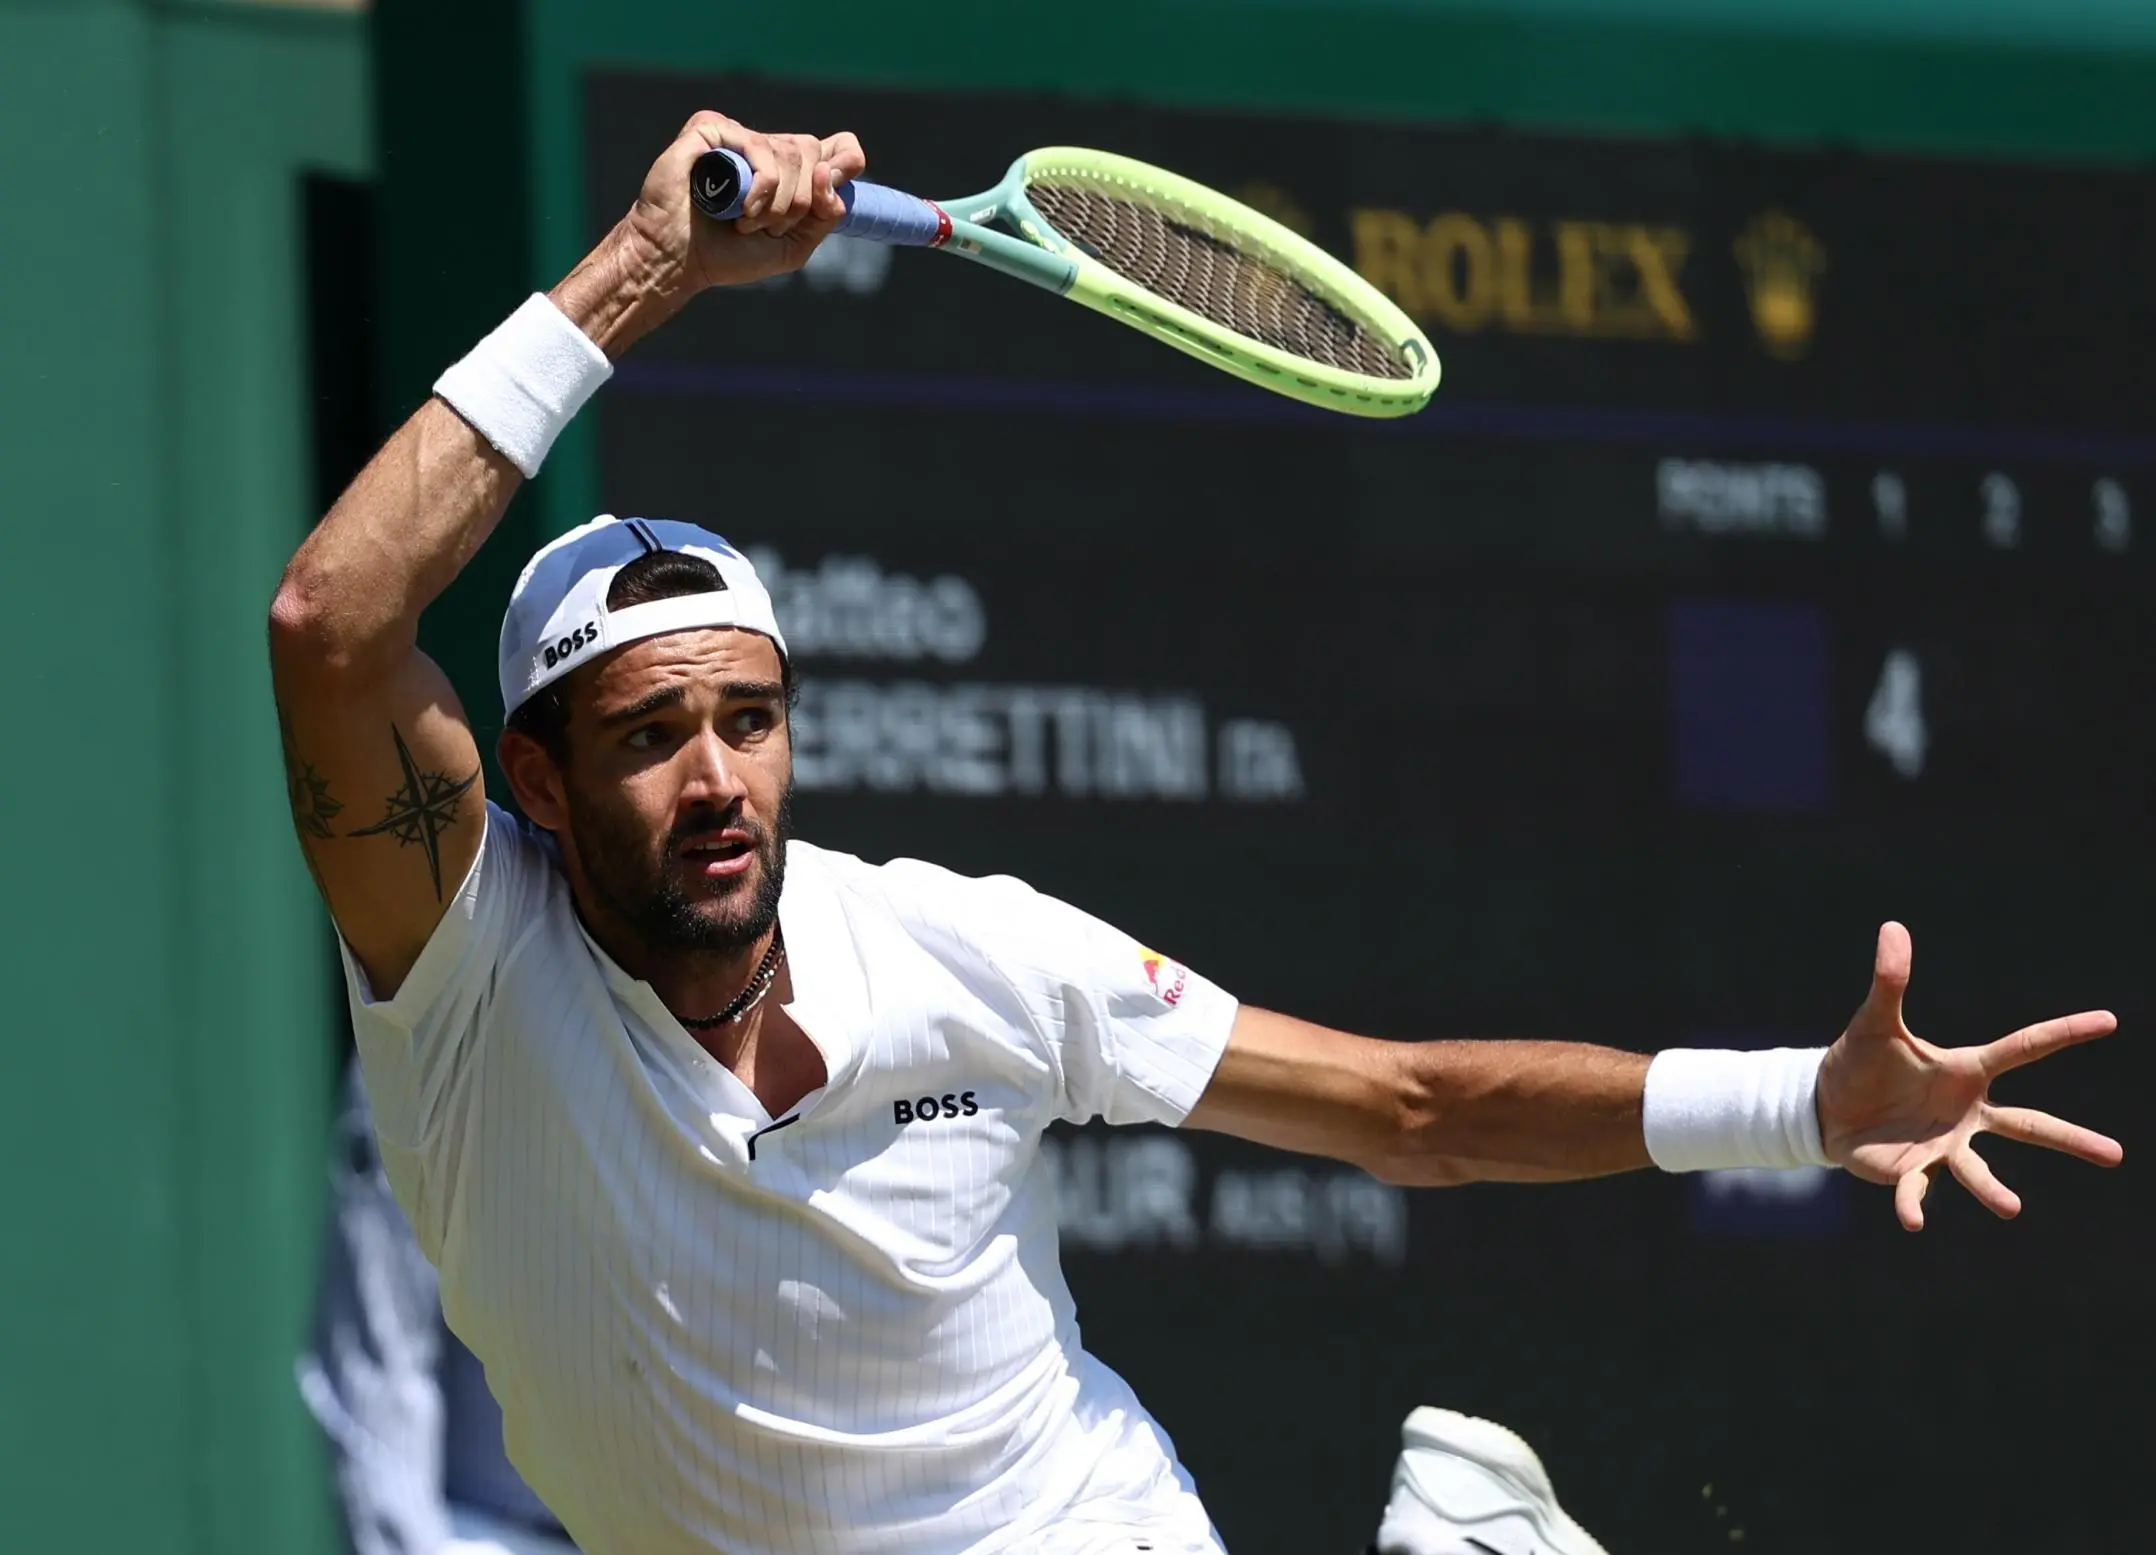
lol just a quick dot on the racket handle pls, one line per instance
(876, 213)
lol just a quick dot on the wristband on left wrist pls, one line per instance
(1706, 1109)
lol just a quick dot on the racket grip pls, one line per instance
(875, 213)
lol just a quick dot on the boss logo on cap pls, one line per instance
(583, 637)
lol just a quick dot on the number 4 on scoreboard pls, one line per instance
(1894, 719)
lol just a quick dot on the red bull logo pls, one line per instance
(1169, 978)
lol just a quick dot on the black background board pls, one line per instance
(1574, 760)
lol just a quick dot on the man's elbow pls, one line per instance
(316, 634)
(303, 637)
(1411, 1151)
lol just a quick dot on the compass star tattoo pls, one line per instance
(307, 789)
(420, 811)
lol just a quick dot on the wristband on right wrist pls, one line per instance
(1707, 1109)
(525, 382)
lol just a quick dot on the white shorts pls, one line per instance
(1137, 1501)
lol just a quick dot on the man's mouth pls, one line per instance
(719, 855)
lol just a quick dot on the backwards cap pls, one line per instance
(557, 616)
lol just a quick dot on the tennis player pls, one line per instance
(727, 1146)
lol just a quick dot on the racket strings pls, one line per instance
(1214, 279)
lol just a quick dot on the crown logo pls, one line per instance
(1782, 262)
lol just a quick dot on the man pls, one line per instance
(414, 1437)
(726, 1146)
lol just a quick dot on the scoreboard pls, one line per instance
(1773, 560)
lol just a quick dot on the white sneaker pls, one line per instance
(1470, 1487)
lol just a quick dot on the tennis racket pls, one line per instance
(1181, 262)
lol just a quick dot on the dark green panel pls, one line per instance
(162, 1127)
(457, 257)
(253, 100)
(93, 1359)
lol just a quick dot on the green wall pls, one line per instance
(162, 1123)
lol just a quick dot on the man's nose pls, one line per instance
(714, 775)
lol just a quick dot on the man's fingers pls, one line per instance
(710, 128)
(1893, 955)
(776, 216)
(795, 200)
(707, 130)
(1890, 976)
(844, 153)
(765, 172)
(1909, 1198)
(800, 186)
(828, 208)
(1974, 1173)
(785, 187)
(704, 131)
(2043, 1039)
(2027, 1127)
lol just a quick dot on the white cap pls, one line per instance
(557, 616)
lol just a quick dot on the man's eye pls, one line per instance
(649, 737)
(753, 720)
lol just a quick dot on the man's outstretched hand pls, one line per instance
(1894, 1109)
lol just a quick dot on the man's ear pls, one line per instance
(534, 779)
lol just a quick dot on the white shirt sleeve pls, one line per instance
(420, 1047)
(1134, 1035)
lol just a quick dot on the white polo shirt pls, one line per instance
(841, 1330)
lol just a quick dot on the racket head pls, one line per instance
(1222, 282)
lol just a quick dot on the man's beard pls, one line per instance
(644, 891)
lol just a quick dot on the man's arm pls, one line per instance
(381, 765)
(1429, 1114)
(1881, 1102)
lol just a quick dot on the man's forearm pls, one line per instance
(1516, 1112)
(1428, 1114)
(1433, 1113)
(620, 292)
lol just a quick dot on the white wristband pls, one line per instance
(526, 381)
(1707, 1109)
